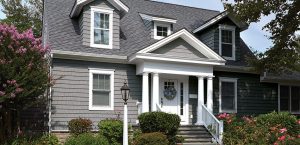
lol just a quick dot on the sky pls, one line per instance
(255, 37)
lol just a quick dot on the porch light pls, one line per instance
(125, 91)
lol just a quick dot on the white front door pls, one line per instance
(178, 103)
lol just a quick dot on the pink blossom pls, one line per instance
(283, 130)
(298, 136)
(2, 93)
(19, 90)
(298, 121)
(281, 138)
(12, 95)
(275, 143)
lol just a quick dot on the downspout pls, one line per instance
(50, 95)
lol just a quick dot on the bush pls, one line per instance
(155, 138)
(79, 126)
(46, 139)
(273, 128)
(87, 139)
(112, 129)
(160, 122)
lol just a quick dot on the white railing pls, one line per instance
(139, 107)
(212, 124)
(159, 109)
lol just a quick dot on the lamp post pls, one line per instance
(125, 91)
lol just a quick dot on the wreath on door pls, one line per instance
(170, 93)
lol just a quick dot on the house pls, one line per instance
(176, 59)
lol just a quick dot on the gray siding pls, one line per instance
(253, 96)
(70, 93)
(179, 47)
(85, 25)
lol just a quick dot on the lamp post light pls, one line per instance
(125, 91)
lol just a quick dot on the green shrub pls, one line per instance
(86, 139)
(79, 126)
(160, 122)
(112, 129)
(45, 139)
(155, 138)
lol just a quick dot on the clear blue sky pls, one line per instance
(255, 37)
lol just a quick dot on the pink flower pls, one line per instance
(19, 90)
(275, 143)
(2, 93)
(12, 95)
(283, 130)
(298, 121)
(281, 138)
(298, 136)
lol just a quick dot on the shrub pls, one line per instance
(112, 129)
(160, 122)
(86, 139)
(155, 138)
(79, 126)
(46, 139)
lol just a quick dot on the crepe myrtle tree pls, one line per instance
(24, 76)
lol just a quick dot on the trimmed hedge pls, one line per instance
(87, 139)
(155, 138)
(79, 126)
(112, 129)
(165, 123)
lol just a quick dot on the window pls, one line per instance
(161, 30)
(228, 95)
(227, 42)
(289, 98)
(101, 28)
(101, 89)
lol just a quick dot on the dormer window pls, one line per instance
(101, 28)
(161, 30)
(227, 42)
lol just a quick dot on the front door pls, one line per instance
(174, 96)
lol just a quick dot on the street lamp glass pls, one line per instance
(125, 92)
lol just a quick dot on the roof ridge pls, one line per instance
(181, 5)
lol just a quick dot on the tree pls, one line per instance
(24, 76)
(284, 54)
(24, 14)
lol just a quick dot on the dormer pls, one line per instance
(99, 22)
(222, 34)
(161, 26)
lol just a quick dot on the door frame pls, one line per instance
(179, 79)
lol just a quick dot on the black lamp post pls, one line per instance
(125, 91)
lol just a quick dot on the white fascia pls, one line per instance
(159, 19)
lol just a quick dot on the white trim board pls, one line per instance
(155, 18)
(189, 38)
(80, 3)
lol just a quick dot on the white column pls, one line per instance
(155, 91)
(200, 100)
(145, 93)
(210, 94)
(125, 126)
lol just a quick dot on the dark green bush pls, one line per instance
(87, 139)
(160, 122)
(45, 139)
(79, 126)
(155, 138)
(112, 129)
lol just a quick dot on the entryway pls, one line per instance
(173, 96)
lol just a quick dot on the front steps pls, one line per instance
(195, 135)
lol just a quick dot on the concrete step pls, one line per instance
(199, 140)
(199, 143)
(196, 136)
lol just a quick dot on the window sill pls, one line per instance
(101, 46)
(91, 108)
(229, 58)
(229, 111)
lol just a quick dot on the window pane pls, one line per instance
(101, 82)
(228, 95)
(101, 98)
(97, 36)
(107, 82)
(284, 98)
(101, 28)
(226, 36)
(227, 50)
(105, 37)
(295, 92)
(97, 20)
(102, 20)
(106, 23)
(162, 31)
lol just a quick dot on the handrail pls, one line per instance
(212, 124)
(139, 107)
(159, 109)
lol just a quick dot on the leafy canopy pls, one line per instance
(24, 14)
(285, 53)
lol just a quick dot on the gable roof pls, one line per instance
(216, 19)
(79, 4)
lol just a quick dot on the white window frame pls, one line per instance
(104, 72)
(162, 25)
(290, 97)
(232, 29)
(231, 80)
(104, 11)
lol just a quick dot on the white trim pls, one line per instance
(232, 80)
(156, 24)
(122, 5)
(101, 71)
(210, 22)
(188, 37)
(159, 19)
(104, 11)
(232, 29)
(80, 3)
